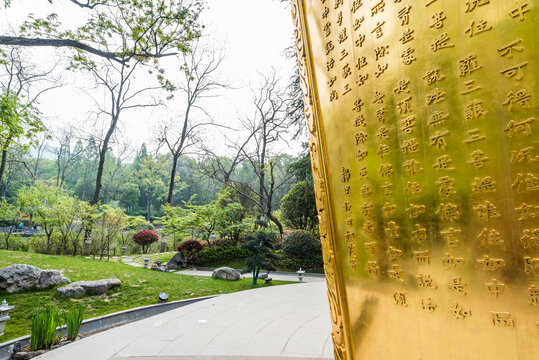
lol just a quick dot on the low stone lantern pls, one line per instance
(124, 250)
(146, 262)
(300, 273)
(4, 315)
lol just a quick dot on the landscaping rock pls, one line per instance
(51, 277)
(79, 288)
(21, 276)
(176, 262)
(226, 273)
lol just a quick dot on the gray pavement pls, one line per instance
(281, 276)
(276, 275)
(277, 322)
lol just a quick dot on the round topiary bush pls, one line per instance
(301, 244)
(145, 238)
(299, 207)
(190, 250)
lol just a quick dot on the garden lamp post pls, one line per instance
(4, 315)
(300, 273)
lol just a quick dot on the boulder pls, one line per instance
(226, 273)
(51, 277)
(177, 262)
(21, 276)
(79, 288)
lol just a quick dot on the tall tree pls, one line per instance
(118, 37)
(266, 125)
(198, 70)
(146, 29)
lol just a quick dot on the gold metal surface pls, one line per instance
(424, 143)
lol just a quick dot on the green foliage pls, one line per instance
(20, 121)
(44, 323)
(107, 226)
(149, 178)
(230, 215)
(301, 244)
(214, 254)
(261, 245)
(293, 264)
(72, 217)
(301, 168)
(299, 207)
(73, 320)
(10, 215)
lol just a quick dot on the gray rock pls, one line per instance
(226, 273)
(51, 277)
(162, 268)
(18, 277)
(21, 276)
(79, 288)
(70, 291)
(176, 262)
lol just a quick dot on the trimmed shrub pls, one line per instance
(190, 250)
(292, 264)
(301, 244)
(221, 253)
(299, 207)
(145, 238)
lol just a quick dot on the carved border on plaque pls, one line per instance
(328, 243)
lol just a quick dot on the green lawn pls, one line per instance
(164, 257)
(139, 287)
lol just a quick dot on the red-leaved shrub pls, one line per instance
(190, 250)
(145, 238)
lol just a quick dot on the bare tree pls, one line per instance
(266, 127)
(198, 69)
(118, 83)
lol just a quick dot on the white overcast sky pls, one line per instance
(254, 34)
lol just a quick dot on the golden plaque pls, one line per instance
(423, 131)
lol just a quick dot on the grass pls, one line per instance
(164, 257)
(139, 287)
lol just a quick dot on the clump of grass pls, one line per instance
(73, 320)
(44, 323)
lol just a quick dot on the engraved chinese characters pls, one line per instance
(427, 112)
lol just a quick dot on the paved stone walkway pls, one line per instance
(281, 276)
(278, 322)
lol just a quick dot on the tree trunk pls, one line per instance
(276, 222)
(3, 163)
(148, 207)
(102, 156)
(172, 176)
